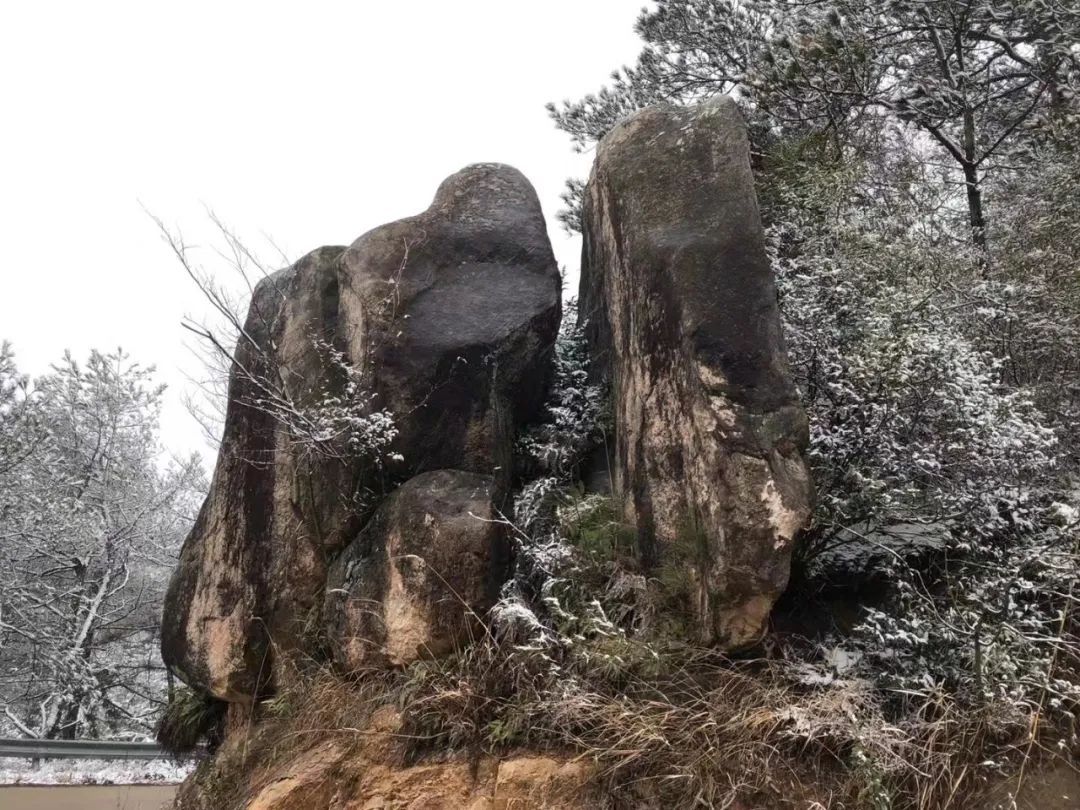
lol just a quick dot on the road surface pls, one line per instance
(86, 797)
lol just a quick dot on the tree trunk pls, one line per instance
(976, 216)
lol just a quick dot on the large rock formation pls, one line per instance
(448, 320)
(317, 534)
(460, 309)
(683, 321)
(253, 562)
(421, 575)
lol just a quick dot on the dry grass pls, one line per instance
(705, 732)
(315, 706)
(702, 730)
(667, 724)
(676, 727)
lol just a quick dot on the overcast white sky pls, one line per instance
(309, 122)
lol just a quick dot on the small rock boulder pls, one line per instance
(682, 320)
(448, 319)
(422, 574)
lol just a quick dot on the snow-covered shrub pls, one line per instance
(994, 628)
(575, 411)
(1032, 296)
(567, 591)
(335, 415)
(916, 422)
(550, 454)
(910, 420)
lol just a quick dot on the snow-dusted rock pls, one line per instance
(421, 576)
(682, 319)
(424, 345)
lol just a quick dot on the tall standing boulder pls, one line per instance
(251, 567)
(682, 320)
(445, 320)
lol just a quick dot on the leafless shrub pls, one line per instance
(332, 416)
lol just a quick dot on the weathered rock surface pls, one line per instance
(421, 575)
(326, 778)
(371, 775)
(451, 317)
(254, 560)
(683, 320)
(468, 297)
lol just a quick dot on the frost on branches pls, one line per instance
(910, 420)
(334, 416)
(550, 453)
(550, 456)
(92, 515)
(915, 422)
(574, 412)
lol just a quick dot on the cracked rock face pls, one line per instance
(421, 575)
(682, 320)
(451, 316)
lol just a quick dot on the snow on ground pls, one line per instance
(93, 772)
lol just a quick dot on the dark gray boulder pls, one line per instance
(422, 574)
(449, 319)
(682, 320)
(463, 305)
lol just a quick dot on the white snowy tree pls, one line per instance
(978, 78)
(93, 517)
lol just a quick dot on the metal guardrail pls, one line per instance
(79, 749)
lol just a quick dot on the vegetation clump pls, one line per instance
(190, 720)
